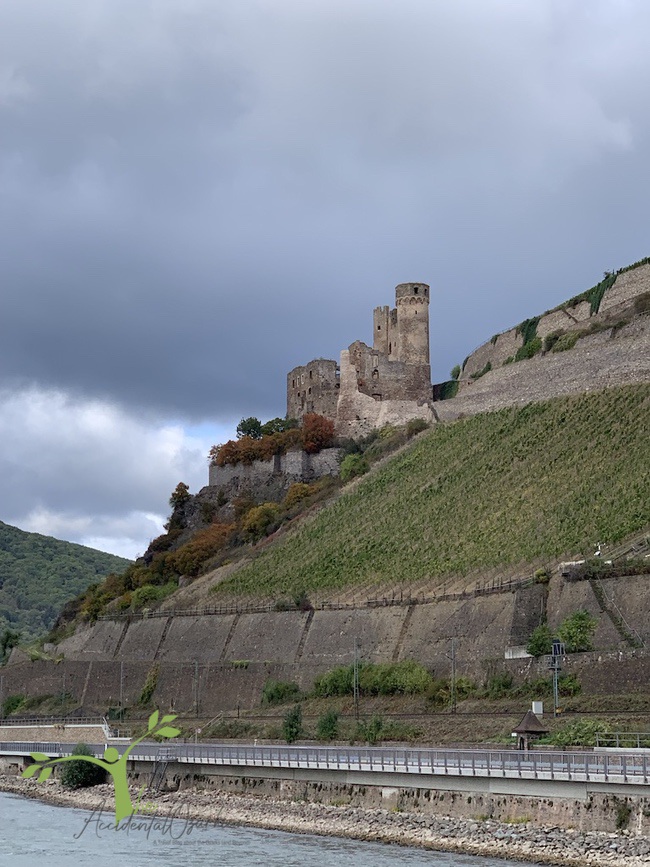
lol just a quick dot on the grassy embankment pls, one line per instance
(504, 488)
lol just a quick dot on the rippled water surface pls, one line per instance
(33, 834)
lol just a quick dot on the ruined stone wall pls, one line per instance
(383, 379)
(384, 329)
(269, 480)
(395, 371)
(358, 413)
(313, 387)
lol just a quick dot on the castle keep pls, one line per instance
(388, 383)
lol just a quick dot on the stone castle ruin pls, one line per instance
(607, 330)
(388, 383)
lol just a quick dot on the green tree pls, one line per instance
(250, 427)
(455, 371)
(416, 426)
(8, 639)
(82, 774)
(12, 703)
(327, 727)
(540, 641)
(352, 466)
(180, 495)
(577, 631)
(280, 692)
(581, 733)
(260, 519)
(371, 731)
(278, 425)
(292, 724)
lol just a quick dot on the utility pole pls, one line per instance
(196, 687)
(453, 675)
(555, 664)
(121, 685)
(355, 677)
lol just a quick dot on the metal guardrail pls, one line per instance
(593, 767)
(26, 722)
(624, 740)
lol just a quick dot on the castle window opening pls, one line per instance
(415, 290)
(310, 374)
(379, 328)
(309, 389)
(293, 383)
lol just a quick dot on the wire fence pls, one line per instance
(397, 598)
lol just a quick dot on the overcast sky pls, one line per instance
(198, 195)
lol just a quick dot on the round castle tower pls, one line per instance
(412, 300)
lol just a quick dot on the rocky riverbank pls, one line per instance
(523, 842)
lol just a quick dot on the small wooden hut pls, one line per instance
(528, 730)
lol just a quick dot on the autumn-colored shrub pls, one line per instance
(228, 453)
(317, 432)
(190, 557)
(164, 542)
(297, 492)
(247, 449)
(260, 520)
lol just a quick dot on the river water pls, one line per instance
(33, 834)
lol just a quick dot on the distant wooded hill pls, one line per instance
(39, 574)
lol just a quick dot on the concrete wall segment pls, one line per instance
(267, 637)
(201, 638)
(628, 286)
(143, 638)
(332, 635)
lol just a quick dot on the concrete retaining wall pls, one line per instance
(226, 659)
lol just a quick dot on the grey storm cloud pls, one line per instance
(195, 196)
(198, 196)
